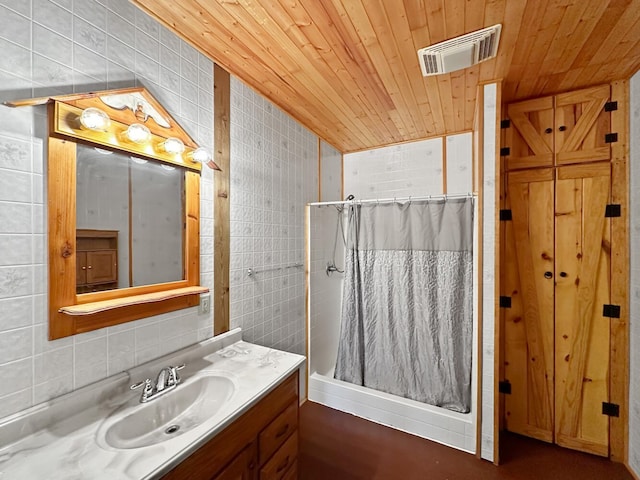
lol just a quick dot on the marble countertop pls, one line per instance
(61, 439)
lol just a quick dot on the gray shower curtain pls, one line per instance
(407, 310)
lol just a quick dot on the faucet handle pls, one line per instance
(174, 379)
(147, 390)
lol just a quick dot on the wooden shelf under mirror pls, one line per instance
(133, 300)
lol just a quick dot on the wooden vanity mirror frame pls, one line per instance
(71, 313)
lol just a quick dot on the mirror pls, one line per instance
(129, 221)
(123, 187)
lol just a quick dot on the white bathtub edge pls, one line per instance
(436, 424)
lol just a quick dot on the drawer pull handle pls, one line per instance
(282, 431)
(283, 465)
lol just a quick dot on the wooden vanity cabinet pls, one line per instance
(260, 445)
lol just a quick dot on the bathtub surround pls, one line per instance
(407, 314)
(412, 169)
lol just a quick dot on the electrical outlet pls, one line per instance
(205, 304)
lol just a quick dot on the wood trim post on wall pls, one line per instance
(221, 208)
(619, 350)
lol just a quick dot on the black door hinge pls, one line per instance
(613, 210)
(504, 387)
(505, 302)
(505, 151)
(610, 409)
(611, 138)
(506, 123)
(611, 106)
(611, 311)
(505, 215)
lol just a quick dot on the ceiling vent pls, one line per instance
(460, 52)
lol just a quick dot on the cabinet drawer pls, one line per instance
(278, 467)
(277, 432)
(292, 473)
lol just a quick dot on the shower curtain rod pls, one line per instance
(396, 199)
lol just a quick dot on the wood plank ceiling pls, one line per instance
(348, 69)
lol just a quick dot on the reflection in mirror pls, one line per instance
(129, 221)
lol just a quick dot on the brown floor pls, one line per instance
(339, 446)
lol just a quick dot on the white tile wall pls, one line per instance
(634, 301)
(397, 171)
(331, 173)
(488, 272)
(459, 165)
(64, 46)
(274, 173)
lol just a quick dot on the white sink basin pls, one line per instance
(166, 417)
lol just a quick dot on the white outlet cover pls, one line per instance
(205, 303)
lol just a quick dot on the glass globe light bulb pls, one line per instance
(94, 119)
(138, 133)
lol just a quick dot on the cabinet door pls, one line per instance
(530, 135)
(582, 332)
(242, 467)
(581, 124)
(102, 266)
(278, 467)
(527, 278)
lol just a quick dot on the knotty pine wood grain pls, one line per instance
(61, 207)
(619, 360)
(222, 195)
(348, 70)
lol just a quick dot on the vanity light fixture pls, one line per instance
(200, 155)
(167, 167)
(137, 133)
(172, 146)
(94, 119)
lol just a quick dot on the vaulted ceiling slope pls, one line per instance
(348, 69)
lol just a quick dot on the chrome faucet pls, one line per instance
(167, 380)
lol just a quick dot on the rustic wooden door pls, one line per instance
(582, 334)
(530, 134)
(566, 129)
(557, 275)
(527, 277)
(581, 126)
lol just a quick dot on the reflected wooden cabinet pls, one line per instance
(261, 445)
(96, 260)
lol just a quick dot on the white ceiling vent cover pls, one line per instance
(460, 52)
